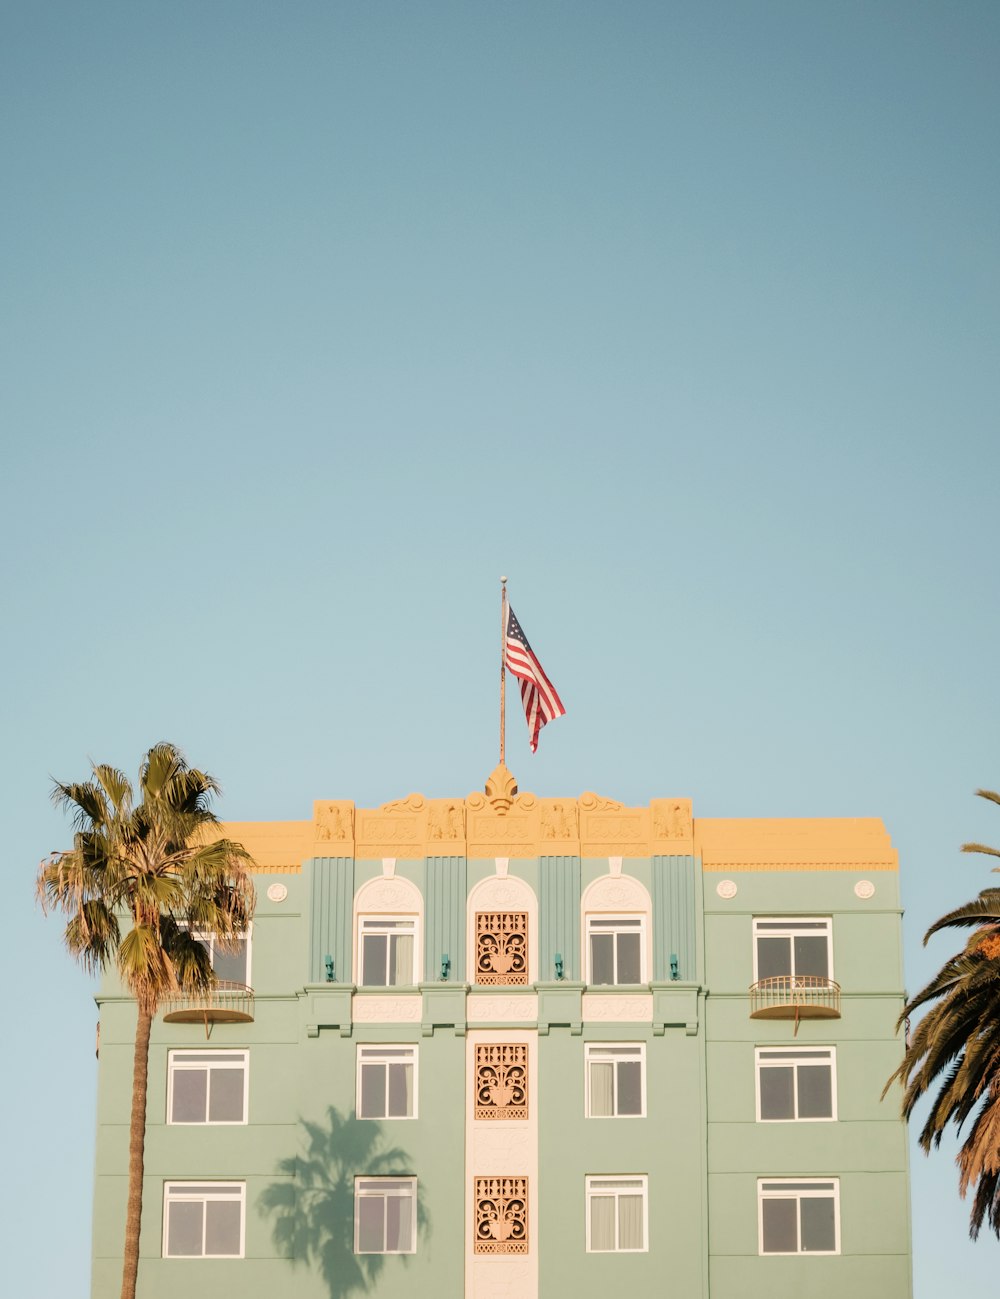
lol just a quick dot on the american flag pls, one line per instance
(538, 694)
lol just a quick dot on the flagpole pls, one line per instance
(503, 661)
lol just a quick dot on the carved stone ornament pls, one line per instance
(392, 893)
(277, 892)
(333, 822)
(446, 823)
(499, 1010)
(501, 1080)
(501, 947)
(559, 820)
(617, 1009)
(864, 889)
(386, 1010)
(726, 889)
(672, 819)
(501, 788)
(617, 893)
(501, 1215)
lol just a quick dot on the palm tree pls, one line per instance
(144, 877)
(956, 1049)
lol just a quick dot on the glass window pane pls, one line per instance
(371, 1209)
(630, 1087)
(184, 1224)
(628, 958)
(602, 956)
(781, 1227)
(401, 969)
(815, 1092)
(774, 957)
(818, 1226)
(225, 1104)
(189, 1096)
(398, 1215)
(602, 1222)
(373, 960)
(777, 1100)
(222, 1226)
(601, 1090)
(630, 1222)
(400, 1091)
(231, 966)
(811, 957)
(373, 1091)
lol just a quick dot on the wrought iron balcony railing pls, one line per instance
(795, 996)
(223, 1003)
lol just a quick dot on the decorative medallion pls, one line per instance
(501, 1213)
(277, 892)
(502, 1080)
(864, 889)
(501, 947)
(726, 889)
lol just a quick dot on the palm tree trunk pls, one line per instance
(136, 1144)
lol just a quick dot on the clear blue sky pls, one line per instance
(316, 317)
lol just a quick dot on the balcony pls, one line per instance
(795, 996)
(223, 1003)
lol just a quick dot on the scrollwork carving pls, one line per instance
(501, 1215)
(501, 947)
(501, 1080)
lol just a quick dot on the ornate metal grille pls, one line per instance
(501, 947)
(502, 1080)
(501, 1215)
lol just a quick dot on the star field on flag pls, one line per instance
(538, 695)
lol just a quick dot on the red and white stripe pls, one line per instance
(538, 695)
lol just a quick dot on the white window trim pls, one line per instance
(790, 931)
(209, 936)
(640, 1049)
(776, 1051)
(359, 1195)
(640, 1178)
(373, 1048)
(826, 1183)
(643, 945)
(394, 917)
(226, 1059)
(173, 1193)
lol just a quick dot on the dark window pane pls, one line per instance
(190, 1091)
(818, 1228)
(225, 1103)
(231, 966)
(373, 1091)
(815, 1092)
(222, 1227)
(630, 1087)
(184, 1228)
(370, 1236)
(399, 1090)
(602, 969)
(780, 1230)
(373, 960)
(398, 1209)
(776, 1095)
(774, 957)
(628, 958)
(811, 957)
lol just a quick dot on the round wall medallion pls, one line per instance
(864, 888)
(277, 892)
(726, 888)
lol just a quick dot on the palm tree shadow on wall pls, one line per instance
(313, 1205)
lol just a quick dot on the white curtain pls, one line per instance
(602, 1081)
(602, 1222)
(630, 1222)
(401, 971)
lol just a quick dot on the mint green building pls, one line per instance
(512, 1047)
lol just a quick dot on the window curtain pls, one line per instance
(602, 1222)
(401, 971)
(601, 1089)
(630, 1222)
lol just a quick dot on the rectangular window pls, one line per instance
(387, 1082)
(232, 966)
(801, 1217)
(386, 949)
(792, 947)
(207, 1086)
(617, 948)
(617, 1215)
(796, 1084)
(203, 1220)
(385, 1216)
(616, 1080)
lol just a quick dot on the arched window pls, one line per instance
(616, 919)
(388, 934)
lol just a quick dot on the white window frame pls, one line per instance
(794, 1057)
(209, 937)
(221, 1060)
(368, 1054)
(364, 1188)
(637, 1053)
(385, 918)
(605, 920)
(799, 1189)
(182, 1193)
(594, 1191)
(791, 928)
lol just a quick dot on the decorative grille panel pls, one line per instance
(501, 1215)
(502, 1080)
(501, 947)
